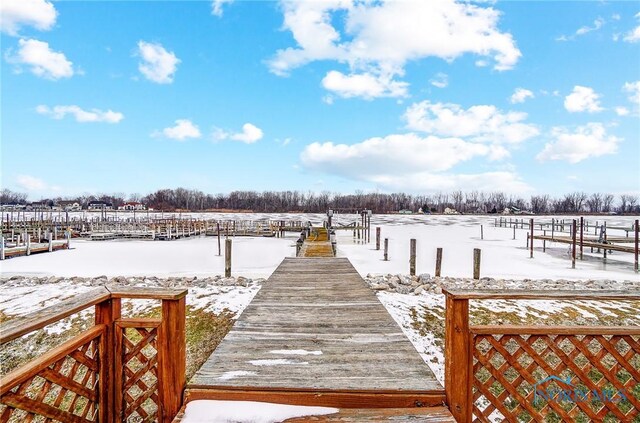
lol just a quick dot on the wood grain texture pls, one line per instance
(17, 327)
(524, 294)
(318, 305)
(146, 293)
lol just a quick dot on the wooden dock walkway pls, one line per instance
(315, 334)
(317, 244)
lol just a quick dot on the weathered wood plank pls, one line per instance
(522, 294)
(17, 327)
(312, 329)
(146, 293)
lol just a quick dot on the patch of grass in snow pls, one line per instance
(204, 332)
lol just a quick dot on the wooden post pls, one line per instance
(604, 239)
(50, 238)
(2, 248)
(27, 238)
(227, 258)
(438, 261)
(378, 238)
(514, 233)
(107, 312)
(67, 235)
(412, 257)
(531, 246)
(544, 242)
(172, 358)
(476, 263)
(386, 249)
(481, 232)
(636, 245)
(553, 227)
(581, 235)
(218, 230)
(458, 360)
(573, 249)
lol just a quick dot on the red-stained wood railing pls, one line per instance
(533, 373)
(120, 369)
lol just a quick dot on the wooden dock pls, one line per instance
(315, 334)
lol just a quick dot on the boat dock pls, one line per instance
(315, 334)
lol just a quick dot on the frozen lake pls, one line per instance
(502, 256)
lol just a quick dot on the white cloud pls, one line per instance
(622, 111)
(41, 60)
(582, 99)
(520, 95)
(93, 115)
(633, 36)
(406, 161)
(217, 7)
(445, 29)
(590, 140)
(14, 14)
(365, 85)
(480, 123)
(30, 183)
(249, 135)
(633, 88)
(182, 130)
(157, 64)
(403, 154)
(440, 80)
(583, 30)
(597, 24)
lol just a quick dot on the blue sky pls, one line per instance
(414, 96)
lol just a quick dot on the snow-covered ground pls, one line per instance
(502, 257)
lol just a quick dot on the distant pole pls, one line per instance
(476, 263)
(2, 249)
(27, 238)
(481, 232)
(573, 249)
(514, 233)
(50, 239)
(544, 242)
(636, 249)
(581, 235)
(553, 225)
(604, 240)
(386, 249)
(378, 238)
(412, 257)
(531, 246)
(218, 230)
(227, 258)
(438, 261)
(67, 235)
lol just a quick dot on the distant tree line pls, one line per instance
(297, 201)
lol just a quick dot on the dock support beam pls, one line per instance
(476, 263)
(412, 257)
(637, 231)
(227, 258)
(573, 246)
(378, 238)
(438, 261)
(531, 245)
(386, 249)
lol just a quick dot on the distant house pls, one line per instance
(99, 205)
(40, 205)
(69, 205)
(132, 205)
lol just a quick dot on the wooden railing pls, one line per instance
(536, 373)
(120, 369)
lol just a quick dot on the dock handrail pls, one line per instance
(525, 373)
(117, 369)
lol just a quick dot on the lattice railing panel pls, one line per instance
(558, 377)
(62, 387)
(139, 371)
